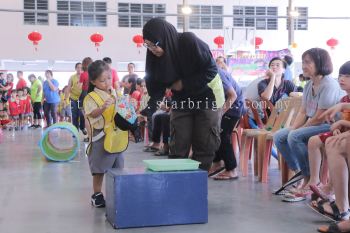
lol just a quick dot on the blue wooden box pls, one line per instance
(139, 198)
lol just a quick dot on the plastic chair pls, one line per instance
(249, 137)
(265, 141)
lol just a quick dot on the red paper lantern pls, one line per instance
(35, 37)
(219, 40)
(258, 42)
(332, 43)
(138, 40)
(96, 38)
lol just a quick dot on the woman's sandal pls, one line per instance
(319, 194)
(332, 228)
(335, 216)
(215, 172)
(162, 153)
(150, 149)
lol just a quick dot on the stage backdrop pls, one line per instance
(243, 63)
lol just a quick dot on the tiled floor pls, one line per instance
(37, 196)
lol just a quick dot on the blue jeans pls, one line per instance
(77, 115)
(293, 145)
(50, 112)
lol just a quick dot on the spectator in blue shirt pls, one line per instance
(52, 98)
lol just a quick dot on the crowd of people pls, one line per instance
(188, 105)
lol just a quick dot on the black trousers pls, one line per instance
(225, 151)
(36, 110)
(161, 125)
(197, 128)
(77, 115)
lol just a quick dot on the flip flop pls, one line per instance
(225, 177)
(298, 176)
(161, 153)
(150, 149)
(292, 198)
(216, 172)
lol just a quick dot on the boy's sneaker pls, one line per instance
(97, 200)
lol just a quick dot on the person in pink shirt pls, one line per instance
(84, 77)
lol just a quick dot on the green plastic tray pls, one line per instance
(159, 165)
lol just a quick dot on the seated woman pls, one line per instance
(317, 142)
(320, 93)
(274, 86)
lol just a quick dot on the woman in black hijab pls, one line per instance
(183, 62)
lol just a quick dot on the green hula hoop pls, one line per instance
(54, 154)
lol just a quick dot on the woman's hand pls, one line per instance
(177, 86)
(269, 74)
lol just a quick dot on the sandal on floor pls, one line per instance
(217, 171)
(332, 228)
(291, 197)
(150, 149)
(318, 193)
(161, 153)
(297, 177)
(336, 215)
(225, 177)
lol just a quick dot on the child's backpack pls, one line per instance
(116, 140)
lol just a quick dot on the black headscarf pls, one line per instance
(165, 69)
(185, 58)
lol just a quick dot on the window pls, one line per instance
(137, 21)
(259, 17)
(202, 17)
(35, 17)
(81, 13)
(300, 23)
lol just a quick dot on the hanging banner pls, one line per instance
(243, 63)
